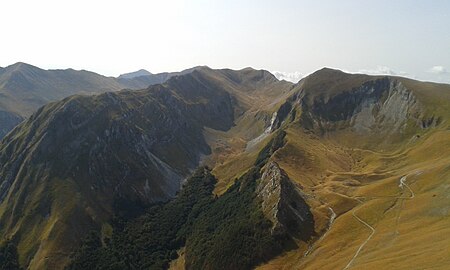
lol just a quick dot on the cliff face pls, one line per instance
(283, 205)
(382, 105)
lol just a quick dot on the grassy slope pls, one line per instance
(337, 169)
(342, 169)
(409, 232)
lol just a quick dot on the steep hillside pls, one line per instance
(75, 163)
(8, 121)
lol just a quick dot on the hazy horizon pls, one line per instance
(293, 38)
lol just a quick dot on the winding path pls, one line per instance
(365, 242)
(401, 185)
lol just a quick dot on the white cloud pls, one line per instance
(438, 70)
(382, 70)
(288, 76)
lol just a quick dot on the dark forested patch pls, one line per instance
(151, 240)
(232, 232)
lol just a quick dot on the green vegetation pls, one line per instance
(8, 257)
(150, 241)
(232, 233)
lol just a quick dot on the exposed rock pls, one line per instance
(279, 116)
(277, 119)
(283, 205)
(382, 105)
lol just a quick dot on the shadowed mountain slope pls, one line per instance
(74, 163)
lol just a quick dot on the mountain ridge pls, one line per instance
(76, 163)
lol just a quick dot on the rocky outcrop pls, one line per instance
(283, 205)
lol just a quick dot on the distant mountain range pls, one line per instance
(24, 88)
(143, 78)
(225, 169)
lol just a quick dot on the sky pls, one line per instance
(291, 38)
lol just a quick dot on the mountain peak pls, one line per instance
(131, 75)
(20, 66)
(328, 71)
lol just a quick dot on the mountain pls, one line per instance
(75, 163)
(131, 75)
(24, 88)
(337, 171)
(371, 154)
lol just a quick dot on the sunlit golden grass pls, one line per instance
(408, 231)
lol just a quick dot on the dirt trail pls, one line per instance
(364, 243)
(402, 184)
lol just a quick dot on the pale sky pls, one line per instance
(293, 37)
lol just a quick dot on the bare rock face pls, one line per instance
(283, 205)
(382, 105)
